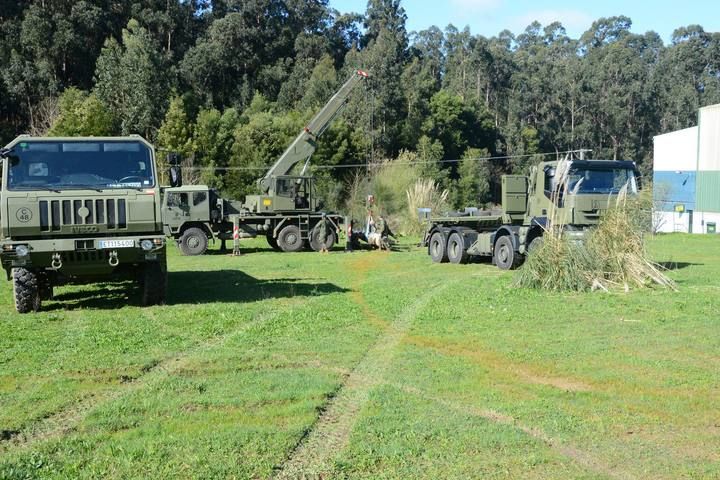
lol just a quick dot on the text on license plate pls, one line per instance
(116, 244)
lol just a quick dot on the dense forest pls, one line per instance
(229, 82)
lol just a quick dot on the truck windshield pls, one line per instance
(595, 180)
(80, 164)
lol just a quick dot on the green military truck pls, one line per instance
(287, 211)
(80, 210)
(507, 234)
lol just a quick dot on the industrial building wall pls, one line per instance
(708, 168)
(674, 179)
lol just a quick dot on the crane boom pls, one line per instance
(304, 144)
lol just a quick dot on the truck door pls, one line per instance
(177, 210)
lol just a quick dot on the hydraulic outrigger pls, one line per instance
(287, 210)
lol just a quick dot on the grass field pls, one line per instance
(366, 365)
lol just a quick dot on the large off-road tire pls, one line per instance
(290, 239)
(153, 283)
(317, 245)
(506, 258)
(26, 290)
(272, 241)
(194, 242)
(437, 248)
(456, 251)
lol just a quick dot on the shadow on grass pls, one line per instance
(187, 288)
(229, 286)
(677, 265)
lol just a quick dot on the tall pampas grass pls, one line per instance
(424, 193)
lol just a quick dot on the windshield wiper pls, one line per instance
(77, 187)
(35, 187)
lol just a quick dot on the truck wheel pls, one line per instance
(456, 251)
(26, 290)
(317, 245)
(506, 258)
(272, 241)
(154, 283)
(193, 242)
(290, 239)
(535, 244)
(438, 252)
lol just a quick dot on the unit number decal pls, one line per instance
(24, 215)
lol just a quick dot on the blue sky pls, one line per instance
(489, 17)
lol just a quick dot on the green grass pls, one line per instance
(435, 371)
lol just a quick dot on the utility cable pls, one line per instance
(396, 162)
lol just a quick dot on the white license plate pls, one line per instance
(105, 244)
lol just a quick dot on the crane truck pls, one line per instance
(507, 234)
(287, 211)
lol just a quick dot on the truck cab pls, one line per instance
(287, 194)
(80, 210)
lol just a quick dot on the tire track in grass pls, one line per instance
(315, 452)
(579, 456)
(360, 267)
(65, 421)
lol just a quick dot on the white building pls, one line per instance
(686, 176)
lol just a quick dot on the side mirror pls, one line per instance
(175, 176)
(174, 160)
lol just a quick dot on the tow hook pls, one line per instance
(113, 261)
(56, 263)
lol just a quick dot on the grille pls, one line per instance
(54, 214)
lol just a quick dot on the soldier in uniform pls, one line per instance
(385, 233)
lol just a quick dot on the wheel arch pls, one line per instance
(534, 232)
(202, 226)
(506, 231)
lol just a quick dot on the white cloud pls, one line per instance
(476, 5)
(574, 20)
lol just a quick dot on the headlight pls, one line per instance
(147, 245)
(21, 250)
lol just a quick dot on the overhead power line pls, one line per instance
(396, 162)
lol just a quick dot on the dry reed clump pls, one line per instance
(619, 254)
(424, 193)
(611, 256)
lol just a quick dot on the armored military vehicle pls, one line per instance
(80, 210)
(507, 234)
(287, 211)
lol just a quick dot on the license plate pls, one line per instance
(105, 244)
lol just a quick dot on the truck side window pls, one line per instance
(284, 187)
(549, 180)
(198, 198)
(177, 200)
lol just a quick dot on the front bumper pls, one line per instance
(81, 256)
